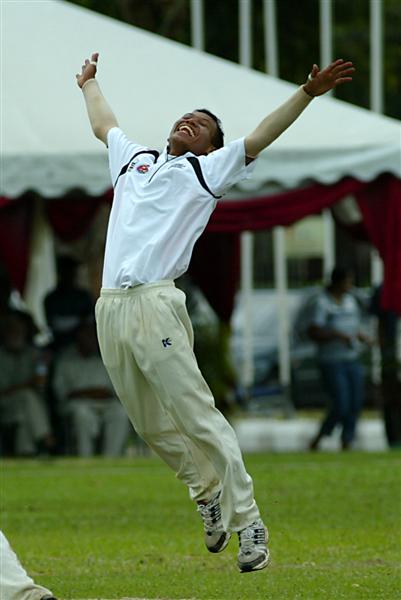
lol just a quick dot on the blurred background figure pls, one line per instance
(15, 583)
(67, 304)
(24, 422)
(64, 307)
(388, 323)
(336, 329)
(86, 398)
(11, 303)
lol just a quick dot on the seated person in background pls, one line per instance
(67, 304)
(22, 409)
(86, 396)
(11, 304)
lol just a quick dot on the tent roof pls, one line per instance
(149, 81)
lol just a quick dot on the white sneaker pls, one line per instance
(253, 552)
(216, 539)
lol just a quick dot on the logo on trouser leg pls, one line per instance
(166, 342)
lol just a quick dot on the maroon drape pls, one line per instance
(281, 209)
(15, 237)
(215, 268)
(72, 215)
(215, 261)
(380, 205)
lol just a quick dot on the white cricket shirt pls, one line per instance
(160, 208)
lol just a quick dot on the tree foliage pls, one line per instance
(298, 36)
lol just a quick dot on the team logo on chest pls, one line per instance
(142, 169)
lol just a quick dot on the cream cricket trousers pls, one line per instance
(15, 583)
(146, 342)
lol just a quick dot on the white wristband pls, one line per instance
(87, 81)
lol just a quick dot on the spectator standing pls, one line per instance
(86, 396)
(336, 329)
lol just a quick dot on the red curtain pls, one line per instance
(380, 205)
(72, 215)
(216, 259)
(282, 209)
(15, 237)
(215, 269)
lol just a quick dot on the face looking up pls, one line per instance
(194, 132)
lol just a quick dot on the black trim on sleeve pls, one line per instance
(125, 167)
(194, 162)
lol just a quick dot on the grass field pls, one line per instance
(98, 529)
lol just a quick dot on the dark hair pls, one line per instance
(340, 274)
(218, 139)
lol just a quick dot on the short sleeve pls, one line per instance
(121, 150)
(225, 167)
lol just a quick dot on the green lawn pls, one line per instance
(98, 529)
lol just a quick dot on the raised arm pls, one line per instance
(318, 83)
(100, 115)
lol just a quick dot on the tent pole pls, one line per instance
(376, 105)
(326, 34)
(245, 33)
(376, 96)
(247, 371)
(197, 21)
(280, 278)
(329, 243)
(326, 56)
(247, 238)
(280, 262)
(41, 276)
(270, 37)
(376, 56)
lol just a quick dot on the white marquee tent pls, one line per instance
(149, 81)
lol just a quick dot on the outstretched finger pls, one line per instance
(336, 63)
(346, 72)
(342, 80)
(342, 67)
(95, 57)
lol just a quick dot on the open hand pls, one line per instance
(319, 82)
(88, 71)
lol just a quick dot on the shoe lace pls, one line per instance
(252, 536)
(210, 513)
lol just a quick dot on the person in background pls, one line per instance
(23, 416)
(11, 304)
(65, 307)
(15, 583)
(67, 304)
(336, 329)
(86, 397)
